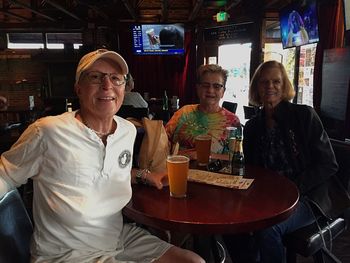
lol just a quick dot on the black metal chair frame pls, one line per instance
(15, 229)
(316, 239)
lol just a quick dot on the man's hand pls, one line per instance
(157, 179)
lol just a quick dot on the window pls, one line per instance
(306, 67)
(59, 40)
(237, 84)
(274, 51)
(25, 40)
(212, 60)
(38, 40)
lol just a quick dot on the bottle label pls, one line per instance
(237, 166)
(238, 171)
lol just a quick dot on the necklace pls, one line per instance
(99, 134)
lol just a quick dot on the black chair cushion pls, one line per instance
(15, 229)
(308, 240)
(231, 106)
(126, 111)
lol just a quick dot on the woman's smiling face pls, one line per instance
(270, 86)
(211, 89)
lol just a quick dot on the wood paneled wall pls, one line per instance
(21, 78)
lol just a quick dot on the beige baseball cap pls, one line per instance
(87, 60)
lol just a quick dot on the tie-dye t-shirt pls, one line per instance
(189, 121)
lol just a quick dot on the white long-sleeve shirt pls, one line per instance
(80, 186)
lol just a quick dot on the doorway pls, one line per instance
(236, 59)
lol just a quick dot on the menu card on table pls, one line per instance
(229, 181)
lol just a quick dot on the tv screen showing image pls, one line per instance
(158, 39)
(299, 24)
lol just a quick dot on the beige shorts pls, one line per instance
(139, 245)
(136, 245)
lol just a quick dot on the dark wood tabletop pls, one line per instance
(216, 210)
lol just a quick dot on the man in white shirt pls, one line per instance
(80, 163)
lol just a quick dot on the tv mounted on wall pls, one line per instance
(158, 39)
(299, 24)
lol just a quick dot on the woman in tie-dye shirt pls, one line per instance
(207, 117)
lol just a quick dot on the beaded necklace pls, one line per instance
(99, 134)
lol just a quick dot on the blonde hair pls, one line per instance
(288, 91)
(211, 68)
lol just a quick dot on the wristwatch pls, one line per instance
(141, 175)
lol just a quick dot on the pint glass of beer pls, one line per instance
(177, 166)
(203, 144)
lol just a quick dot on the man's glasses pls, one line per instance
(206, 85)
(96, 77)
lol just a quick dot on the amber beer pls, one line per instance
(177, 166)
(203, 144)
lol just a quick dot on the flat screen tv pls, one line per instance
(299, 24)
(158, 39)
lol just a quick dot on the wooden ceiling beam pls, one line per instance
(231, 4)
(165, 10)
(61, 8)
(130, 9)
(95, 8)
(41, 27)
(195, 11)
(20, 18)
(32, 10)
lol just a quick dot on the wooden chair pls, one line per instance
(15, 229)
(316, 240)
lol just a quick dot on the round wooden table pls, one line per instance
(216, 210)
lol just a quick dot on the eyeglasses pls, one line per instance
(207, 85)
(96, 77)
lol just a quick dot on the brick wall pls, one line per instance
(21, 78)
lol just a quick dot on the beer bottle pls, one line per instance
(165, 101)
(237, 164)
